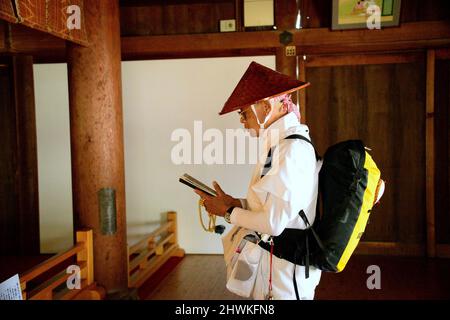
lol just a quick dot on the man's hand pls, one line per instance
(218, 205)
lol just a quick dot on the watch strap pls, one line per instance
(227, 215)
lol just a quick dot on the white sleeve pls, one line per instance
(272, 220)
(290, 189)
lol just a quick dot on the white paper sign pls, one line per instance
(10, 289)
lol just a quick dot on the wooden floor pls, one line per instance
(196, 277)
(199, 277)
(202, 277)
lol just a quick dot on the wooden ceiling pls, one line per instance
(143, 21)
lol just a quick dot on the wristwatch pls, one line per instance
(227, 215)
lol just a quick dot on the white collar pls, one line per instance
(282, 128)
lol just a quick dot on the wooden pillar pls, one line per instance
(430, 156)
(96, 129)
(285, 18)
(28, 196)
(302, 93)
(3, 29)
(238, 15)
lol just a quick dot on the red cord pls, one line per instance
(270, 276)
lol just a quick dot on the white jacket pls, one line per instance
(273, 204)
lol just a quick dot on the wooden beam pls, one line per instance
(417, 35)
(362, 59)
(430, 155)
(50, 263)
(45, 290)
(410, 36)
(146, 3)
(198, 44)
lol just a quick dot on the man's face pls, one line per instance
(248, 118)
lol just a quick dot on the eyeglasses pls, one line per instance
(242, 115)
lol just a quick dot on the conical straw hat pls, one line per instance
(259, 83)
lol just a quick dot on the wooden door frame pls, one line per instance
(430, 249)
(25, 152)
(442, 250)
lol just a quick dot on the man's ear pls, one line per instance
(267, 107)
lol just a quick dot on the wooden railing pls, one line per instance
(55, 287)
(150, 253)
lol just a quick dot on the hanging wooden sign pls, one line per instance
(7, 11)
(61, 18)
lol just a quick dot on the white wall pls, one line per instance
(54, 172)
(159, 96)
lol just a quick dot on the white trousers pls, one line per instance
(282, 279)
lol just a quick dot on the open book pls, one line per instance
(195, 184)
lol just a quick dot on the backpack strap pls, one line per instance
(300, 137)
(268, 163)
(308, 225)
(294, 279)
